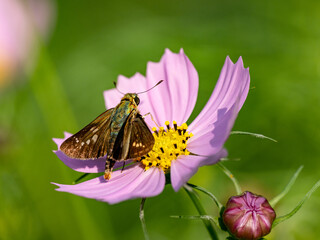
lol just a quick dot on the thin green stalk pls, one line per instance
(143, 223)
(297, 208)
(231, 176)
(257, 135)
(80, 178)
(275, 200)
(196, 201)
(219, 205)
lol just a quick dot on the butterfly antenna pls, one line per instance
(151, 88)
(115, 85)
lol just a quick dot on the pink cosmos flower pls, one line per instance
(179, 150)
(20, 22)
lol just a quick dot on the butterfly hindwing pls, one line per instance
(134, 139)
(89, 142)
(141, 139)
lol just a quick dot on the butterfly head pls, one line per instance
(132, 97)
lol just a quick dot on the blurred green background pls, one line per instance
(91, 43)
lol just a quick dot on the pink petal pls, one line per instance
(132, 182)
(213, 125)
(87, 166)
(213, 139)
(174, 99)
(185, 167)
(112, 98)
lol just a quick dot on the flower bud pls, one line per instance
(248, 216)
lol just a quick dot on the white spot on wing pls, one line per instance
(88, 141)
(95, 137)
(94, 129)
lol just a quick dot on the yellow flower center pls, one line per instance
(169, 144)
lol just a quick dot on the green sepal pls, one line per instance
(220, 219)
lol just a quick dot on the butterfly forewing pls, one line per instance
(89, 142)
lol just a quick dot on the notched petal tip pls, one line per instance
(167, 51)
(56, 141)
(59, 141)
(175, 98)
(240, 61)
(213, 125)
(182, 52)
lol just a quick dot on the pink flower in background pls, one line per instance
(20, 22)
(179, 150)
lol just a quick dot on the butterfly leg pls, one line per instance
(151, 118)
(124, 163)
(108, 169)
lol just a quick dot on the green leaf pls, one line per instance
(229, 159)
(296, 209)
(257, 135)
(276, 199)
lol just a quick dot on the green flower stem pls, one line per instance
(195, 199)
(143, 223)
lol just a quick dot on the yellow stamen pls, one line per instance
(169, 144)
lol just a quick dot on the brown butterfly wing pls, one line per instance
(134, 140)
(141, 140)
(91, 141)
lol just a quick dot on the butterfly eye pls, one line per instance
(137, 100)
